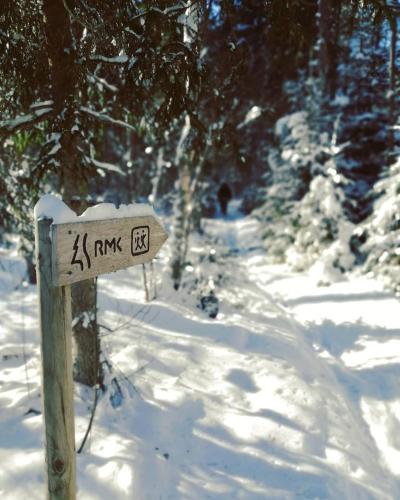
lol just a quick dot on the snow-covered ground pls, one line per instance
(290, 393)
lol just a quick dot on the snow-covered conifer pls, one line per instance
(383, 230)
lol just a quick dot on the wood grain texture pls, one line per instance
(83, 250)
(57, 384)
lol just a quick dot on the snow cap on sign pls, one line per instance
(51, 206)
(109, 211)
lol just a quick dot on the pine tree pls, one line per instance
(382, 230)
(72, 71)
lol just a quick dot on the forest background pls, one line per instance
(294, 104)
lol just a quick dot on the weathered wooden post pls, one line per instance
(58, 403)
(68, 252)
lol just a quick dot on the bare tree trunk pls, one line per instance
(87, 366)
(156, 181)
(65, 86)
(392, 62)
(183, 205)
(186, 211)
(392, 82)
(146, 284)
(182, 225)
(329, 11)
(153, 281)
(351, 16)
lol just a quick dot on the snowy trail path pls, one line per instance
(290, 393)
(325, 398)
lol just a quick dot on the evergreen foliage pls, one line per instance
(382, 247)
(293, 103)
(333, 144)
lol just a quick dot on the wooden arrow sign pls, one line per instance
(67, 252)
(82, 250)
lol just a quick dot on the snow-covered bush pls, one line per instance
(304, 213)
(290, 171)
(383, 230)
(322, 230)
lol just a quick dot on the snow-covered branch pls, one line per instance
(102, 81)
(177, 9)
(251, 115)
(184, 133)
(123, 59)
(105, 118)
(110, 167)
(24, 121)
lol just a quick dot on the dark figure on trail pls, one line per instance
(224, 196)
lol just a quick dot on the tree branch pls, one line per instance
(24, 121)
(105, 118)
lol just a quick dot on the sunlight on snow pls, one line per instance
(25, 458)
(253, 429)
(168, 393)
(289, 393)
(110, 446)
(119, 475)
(14, 396)
(370, 353)
(335, 456)
(383, 419)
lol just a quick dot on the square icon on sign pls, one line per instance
(140, 240)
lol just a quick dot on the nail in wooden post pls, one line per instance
(57, 383)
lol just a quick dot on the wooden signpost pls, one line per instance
(67, 253)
